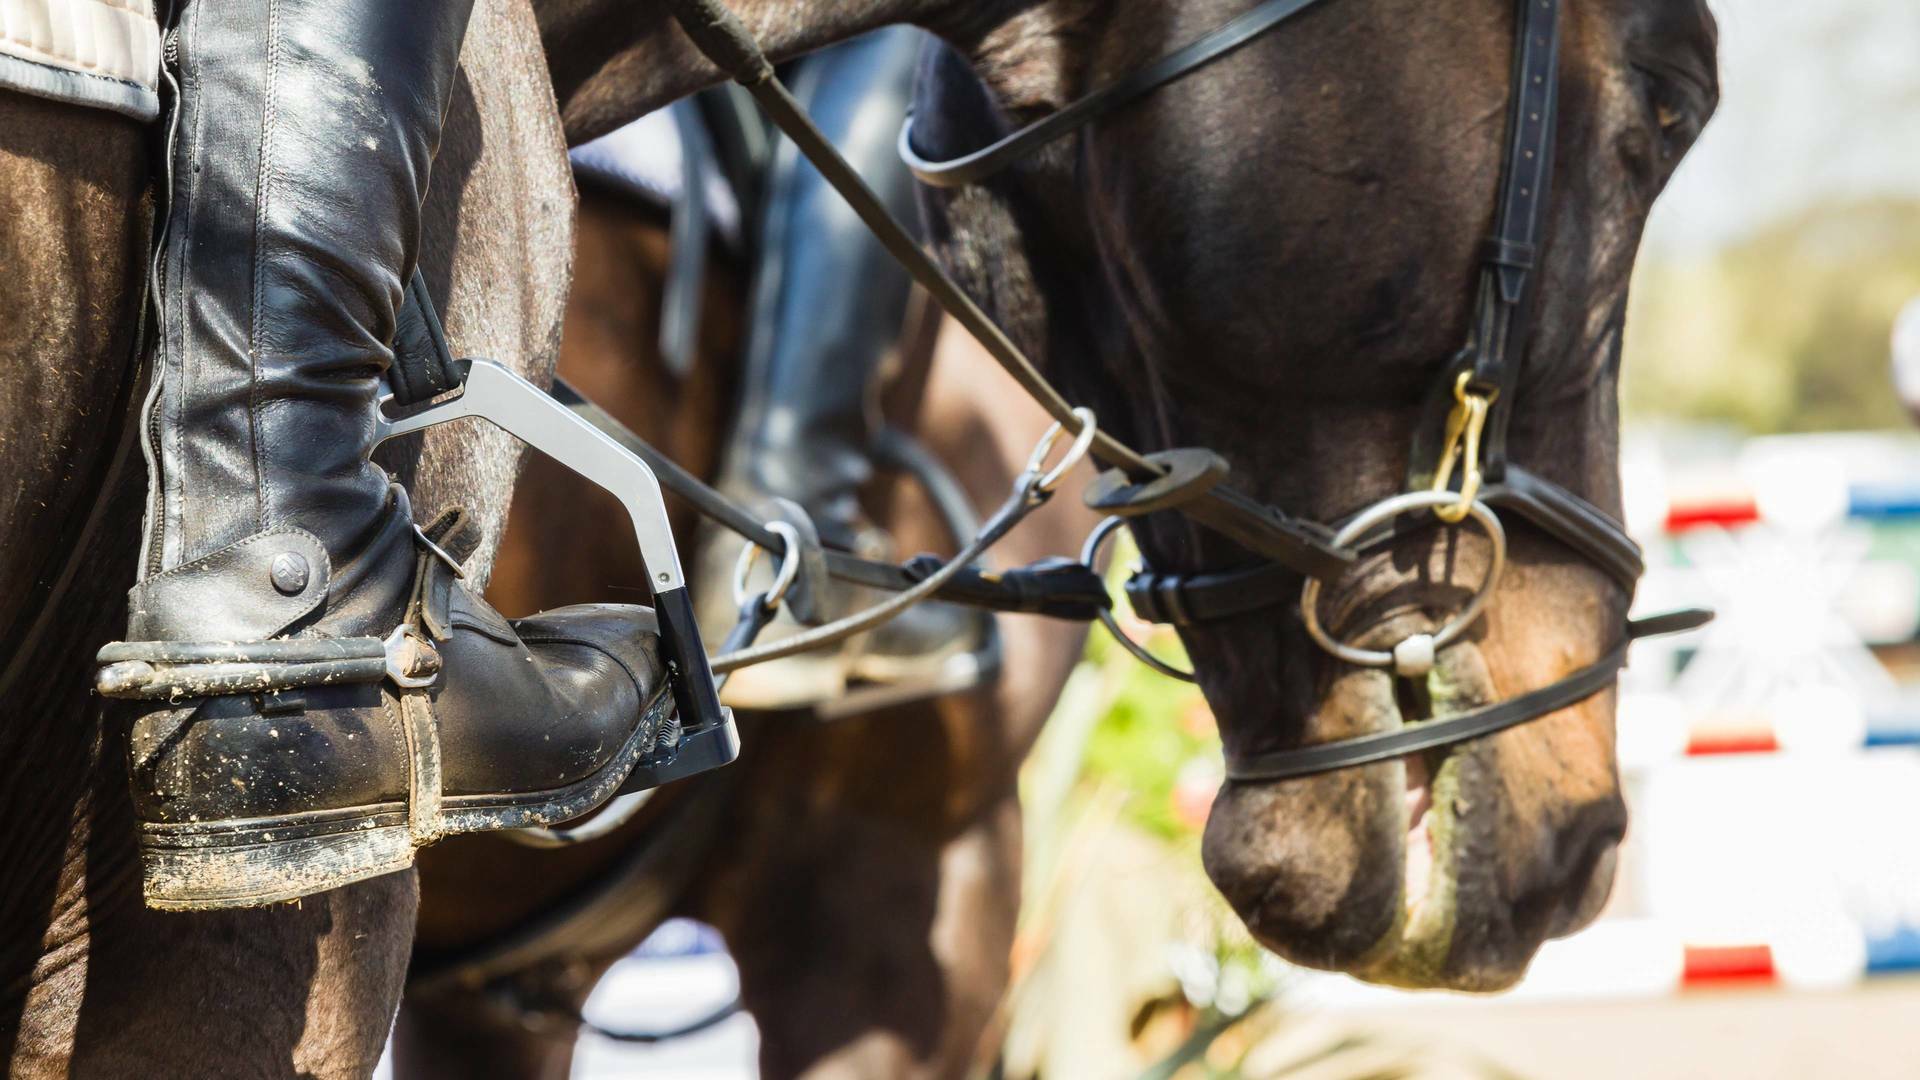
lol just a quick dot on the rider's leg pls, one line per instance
(829, 302)
(300, 152)
(829, 306)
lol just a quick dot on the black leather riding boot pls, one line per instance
(321, 694)
(829, 302)
(829, 306)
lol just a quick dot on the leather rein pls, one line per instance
(1482, 376)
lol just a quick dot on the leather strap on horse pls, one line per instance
(1462, 727)
(1263, 529)
(996, 158)
(1192, 599)
(1509, 254)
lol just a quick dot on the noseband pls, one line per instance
(1482, 378)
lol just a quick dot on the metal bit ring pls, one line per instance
(1088, 553)
(1414, 656)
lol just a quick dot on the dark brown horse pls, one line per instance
(1270, 258)
(1357, 890)
(1274, 257)
(1288, 268)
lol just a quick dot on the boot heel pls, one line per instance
(248, 869)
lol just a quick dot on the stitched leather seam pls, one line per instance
(263, 482)
(399, 731)
(173, 495)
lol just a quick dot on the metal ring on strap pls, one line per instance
(1413, 657)
(1077, 450)
(1088, 553)
(783, 579)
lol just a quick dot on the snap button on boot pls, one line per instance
(290, 573)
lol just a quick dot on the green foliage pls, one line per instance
(1786, 332)
(1155, 727)
(1152, 728)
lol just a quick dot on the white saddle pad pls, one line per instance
(101, 53)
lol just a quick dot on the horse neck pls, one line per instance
(611, 64)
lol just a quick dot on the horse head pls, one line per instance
(1275, 257)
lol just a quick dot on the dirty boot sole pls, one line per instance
(201, 866)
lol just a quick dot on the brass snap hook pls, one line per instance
(1465, 426)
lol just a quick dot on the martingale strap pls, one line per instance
(1462, 727)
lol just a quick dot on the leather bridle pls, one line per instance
(1483, 377)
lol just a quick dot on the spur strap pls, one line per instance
(1462, 727)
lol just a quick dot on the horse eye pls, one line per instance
(1670, 103)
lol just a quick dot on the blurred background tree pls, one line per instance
(1777, 260)
(1787, 330)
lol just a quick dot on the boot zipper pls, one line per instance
(153, 546)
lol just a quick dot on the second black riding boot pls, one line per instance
(830, 305)
(320, 693)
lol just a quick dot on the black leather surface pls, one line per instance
(296, 187)
(305, 136)
(229, 594)
(423, 364)
(829, 302)
(523, 707)
(1500, 337)
(502, 731)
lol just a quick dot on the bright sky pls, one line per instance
(1821, 100)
